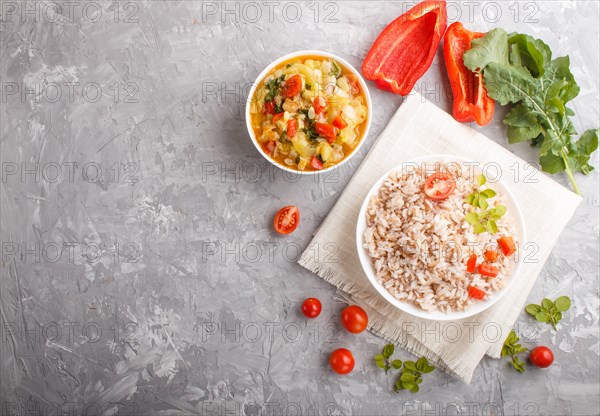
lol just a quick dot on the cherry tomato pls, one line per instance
(488, 270)
(472, 263)
(541, 357)
(269, 107)
(439, 186)
(354, 319)
(341, 361)
(339, 122)
(269, 147)
(476, 293)
(277, 117)
(316, 163)
(319, 104)
(292, 127)
(326, 130)
(287, 219)
(490, 255)
(507, 245)
(292, 86)
(311, 307)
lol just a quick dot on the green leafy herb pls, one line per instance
(288, 65)
(273, 87)
(477, 198)
(309, 130)
(485, 220)
(383, 360)
(512, 348)
(548, 311)
(412, 375)
(481, 218)
(336, 69)
(308, 86)
(519, 70)
(284, 137)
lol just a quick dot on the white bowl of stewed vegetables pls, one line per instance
(308, 112)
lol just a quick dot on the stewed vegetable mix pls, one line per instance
(309, 113)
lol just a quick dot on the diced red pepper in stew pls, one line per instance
(319, 104)
(269, 147)
(292, 86)
(472, 263)
(507, 245)
(292, 127)
(488, 270)
(277, 117)
(476, 293)
(269, 107)
(339, 122)
(316, 163)
(326, 130)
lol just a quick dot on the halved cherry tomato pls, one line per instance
(319, 104)
(316, 163)
(277, 117)
(269, 107)
(292, 86)
(326, 130)
(311, 307)
(507, 245)
(439, 186)
(269, 147)
(472, 263)
(354, 319)
(287, 219)
(490, 255)
(341, 361)
(292, 127)
(339, 122)
(476, 293)
(488, 270)
(541, 357)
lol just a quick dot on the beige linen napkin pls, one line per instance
(420, 128)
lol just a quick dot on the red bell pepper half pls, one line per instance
(471, 101)
(405, 49)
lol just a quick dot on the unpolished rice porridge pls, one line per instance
(419, 247)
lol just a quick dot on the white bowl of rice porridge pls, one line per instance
(438, 239)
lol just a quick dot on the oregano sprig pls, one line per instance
(383, 360)
(477, 198)
(548, 311)
(481, 218)
(411, 375)
(486, 220)
(512, 348)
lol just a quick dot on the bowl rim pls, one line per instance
(413, 310)
(309, 52)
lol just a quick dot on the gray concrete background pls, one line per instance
(140, 272)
